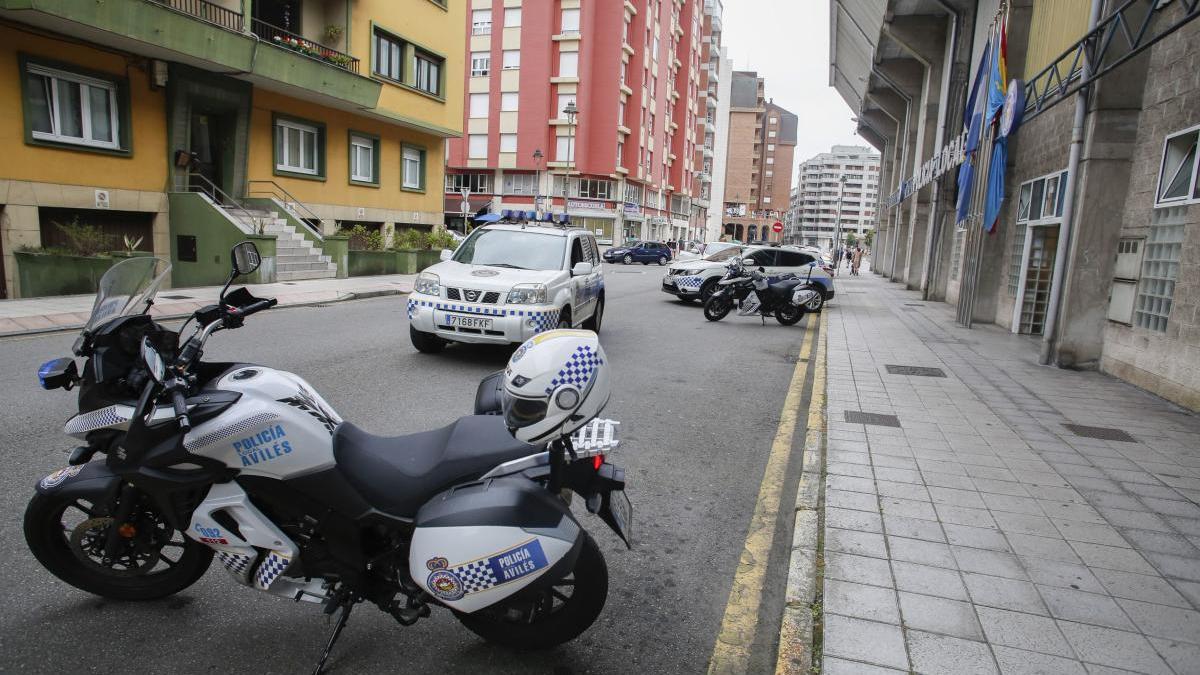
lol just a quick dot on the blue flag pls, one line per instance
(995, 184)
(966, 174)
(973, 113)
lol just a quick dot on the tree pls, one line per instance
(851, 240)
(869, 238)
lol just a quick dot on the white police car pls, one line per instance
(697, 279)
(506, 283)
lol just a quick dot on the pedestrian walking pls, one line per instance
(855, 261)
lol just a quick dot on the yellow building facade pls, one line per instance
(178, 127)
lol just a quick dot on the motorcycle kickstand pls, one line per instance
(337, 631)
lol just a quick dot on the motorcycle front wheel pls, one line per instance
(789, 314)
(151, 559)
(717, 307)
(556, 615)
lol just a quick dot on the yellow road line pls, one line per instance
(731, 653)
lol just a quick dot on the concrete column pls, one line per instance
(897, 104)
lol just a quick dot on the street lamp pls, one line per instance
(570, 111)
(537, 188)
(837, 225)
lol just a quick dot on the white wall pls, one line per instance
(716, 202)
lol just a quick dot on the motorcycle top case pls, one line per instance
(477, 544)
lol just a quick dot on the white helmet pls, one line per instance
(554, 383)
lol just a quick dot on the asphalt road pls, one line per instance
(699, 405)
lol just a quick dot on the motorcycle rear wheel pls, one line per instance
(717, 307)
(553, 617)
(156, 561)
(789, 314)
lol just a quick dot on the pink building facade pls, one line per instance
(628, 164)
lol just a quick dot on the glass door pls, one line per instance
(1039, 271)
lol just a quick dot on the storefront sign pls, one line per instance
(949, 157)
(587, 204)
(632, 209)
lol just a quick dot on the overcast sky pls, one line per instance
(787, 42)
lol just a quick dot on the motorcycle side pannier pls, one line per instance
(477, 544)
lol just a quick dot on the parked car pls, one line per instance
(697, 279)
(645, 252)
(705, 250)
(507, 283)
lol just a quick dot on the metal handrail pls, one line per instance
(206, 11)
(294, 206)
(219, 196)
(285, 39)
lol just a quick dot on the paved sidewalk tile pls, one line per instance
(984, 534)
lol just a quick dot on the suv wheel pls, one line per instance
(593, 324)
(564, 319)
(708, 288)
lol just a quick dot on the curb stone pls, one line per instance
(800, 624)
(343, 297)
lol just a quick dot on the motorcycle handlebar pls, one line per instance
(255, 307)
(180, 404)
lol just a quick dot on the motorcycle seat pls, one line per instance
(397, 474)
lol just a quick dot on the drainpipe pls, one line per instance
(1050, 331)
(933, 233)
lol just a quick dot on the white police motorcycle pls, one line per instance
(184, 459)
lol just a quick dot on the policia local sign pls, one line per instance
(949, 157)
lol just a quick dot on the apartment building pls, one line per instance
(589, 108)
(837, 193)
(192, 124)
(758, 170)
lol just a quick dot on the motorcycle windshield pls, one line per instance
(126, 288)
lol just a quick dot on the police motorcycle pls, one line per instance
(752, 292)
(182, 460)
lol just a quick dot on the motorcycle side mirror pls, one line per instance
(748, 261)
(445, 255)
(245, 258)
(153, 361)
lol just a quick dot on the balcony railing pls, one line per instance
(207, 11)
(288, 40)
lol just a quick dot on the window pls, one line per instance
(508, 142)
(1160, 270)
(570, 21)
(512, 59)
(429, 73)
(620, 153)
(793, 259)
(568, 64)
(563, 100)
(764, 257)
(298, 147)
(591, 188)
(1040, 202)
(520, 184)
(770, 172)
(770, 147)
(564, 149)
(654, 50)
(509, 101)
(481, 22)
(478, 106)
(766, 200)
(512, 17)
(389, 56)
(477, 146)
(1177, 173)
(770, 160)
(69, 108)
(771, 134)
(633, 193)
(362, 159)
(476, 183)
(481, 64)
(413, 164)
(774, 119)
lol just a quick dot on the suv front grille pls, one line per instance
(472, 295)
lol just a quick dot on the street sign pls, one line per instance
(777, 227)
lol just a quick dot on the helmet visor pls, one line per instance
(522, 412)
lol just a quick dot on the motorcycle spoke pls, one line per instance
(170, 563)
(561, 596)
(81, 507)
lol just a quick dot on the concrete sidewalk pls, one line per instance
(70, 312)
(984, 514)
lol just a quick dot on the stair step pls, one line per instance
(305, 274)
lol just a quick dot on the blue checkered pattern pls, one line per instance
(578, 369)
(237, 564)
(272, 566)
(544, 320)
(476, 576)
(688, 282)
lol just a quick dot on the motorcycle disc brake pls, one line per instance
(87, 543)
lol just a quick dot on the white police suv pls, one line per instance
(506, 283)
(697, 279)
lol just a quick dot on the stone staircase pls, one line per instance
(296, 258)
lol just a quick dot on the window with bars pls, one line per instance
(1160, 269)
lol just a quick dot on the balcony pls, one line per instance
(212, 36)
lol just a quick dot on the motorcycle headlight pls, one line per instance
(428, 283)
(528, 294)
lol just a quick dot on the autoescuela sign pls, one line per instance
(949, 157)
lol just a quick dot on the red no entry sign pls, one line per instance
(777, 227)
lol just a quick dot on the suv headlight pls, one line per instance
(688, 273)
(528, 294)
(427, 283)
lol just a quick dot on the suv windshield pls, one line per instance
(724, 254)
(127, 288)
(516, 249)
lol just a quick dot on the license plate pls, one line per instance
(467, 321)
(620, 511)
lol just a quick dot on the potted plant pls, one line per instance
(73, 268)
(366, 254)
(408, 244)
(333, 34)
